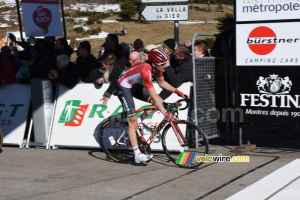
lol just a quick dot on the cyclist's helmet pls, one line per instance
(157, 57)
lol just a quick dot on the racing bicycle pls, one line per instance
(182, 140)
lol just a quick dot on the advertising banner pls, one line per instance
(268, 44)
(263, 10)
(269, 95)
(79, 112)
(41, 18)
(14, 106)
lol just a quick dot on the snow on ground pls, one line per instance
(8, 3)
(3, 25)
(100, 35)
(95, 7)
(109, 21)
(84, 27)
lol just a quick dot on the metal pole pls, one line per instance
(240, 138)
(176, 31)
(63, 18)
(19, 19)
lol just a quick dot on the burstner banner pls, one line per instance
(41, 18)
(268, 44)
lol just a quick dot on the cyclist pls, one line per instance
(141, 73)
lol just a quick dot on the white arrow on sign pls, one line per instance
(165, 13)
(163, 1)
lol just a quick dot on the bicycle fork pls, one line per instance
(182, 140)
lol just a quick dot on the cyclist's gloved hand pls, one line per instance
(179, 93)
(169, 117)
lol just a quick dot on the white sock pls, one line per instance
(136, 151)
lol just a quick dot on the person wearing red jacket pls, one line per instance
(8, 69)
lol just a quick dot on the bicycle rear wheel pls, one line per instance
(184, 155)
(113, 145)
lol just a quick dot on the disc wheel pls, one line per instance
(110, 131)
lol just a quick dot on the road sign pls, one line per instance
(165, 13)
(163, 1)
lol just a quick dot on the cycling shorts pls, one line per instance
(125, 97)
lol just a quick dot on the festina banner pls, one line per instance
(268, 44)
(41, 18)
(269, 95)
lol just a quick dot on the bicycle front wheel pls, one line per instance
(184, 150)
(114, 140)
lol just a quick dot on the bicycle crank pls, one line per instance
(144, 147)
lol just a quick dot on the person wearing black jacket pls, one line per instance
(66, 73)
(61, 46)
(112, 44)
(111, 72)
(88, 65)
(180, 71)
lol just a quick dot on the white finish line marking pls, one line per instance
(283, 183)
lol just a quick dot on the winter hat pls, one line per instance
(169, 44)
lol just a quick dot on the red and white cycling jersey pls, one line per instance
(140, 73)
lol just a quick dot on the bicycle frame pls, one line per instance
(180, 136)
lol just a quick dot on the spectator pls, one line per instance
(23, 75)
(201, 49)
(8, 53)
(66, 73)
(101, 52)
(87, 64)
(182, 65)
(112, 44)
(147, 49)
(111, 72)
(8, 69)
(43, 61)
(61, 46)
(123, 30)
(134, 58)
(138, 45)
(169, 46)
(131, 47)
(220, 48)
(224, 47)
(126, 50)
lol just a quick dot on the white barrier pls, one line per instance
(79, 112)
(14, 106)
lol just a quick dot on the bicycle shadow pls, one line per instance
(104, 157)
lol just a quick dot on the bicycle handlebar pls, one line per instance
(178, 103)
